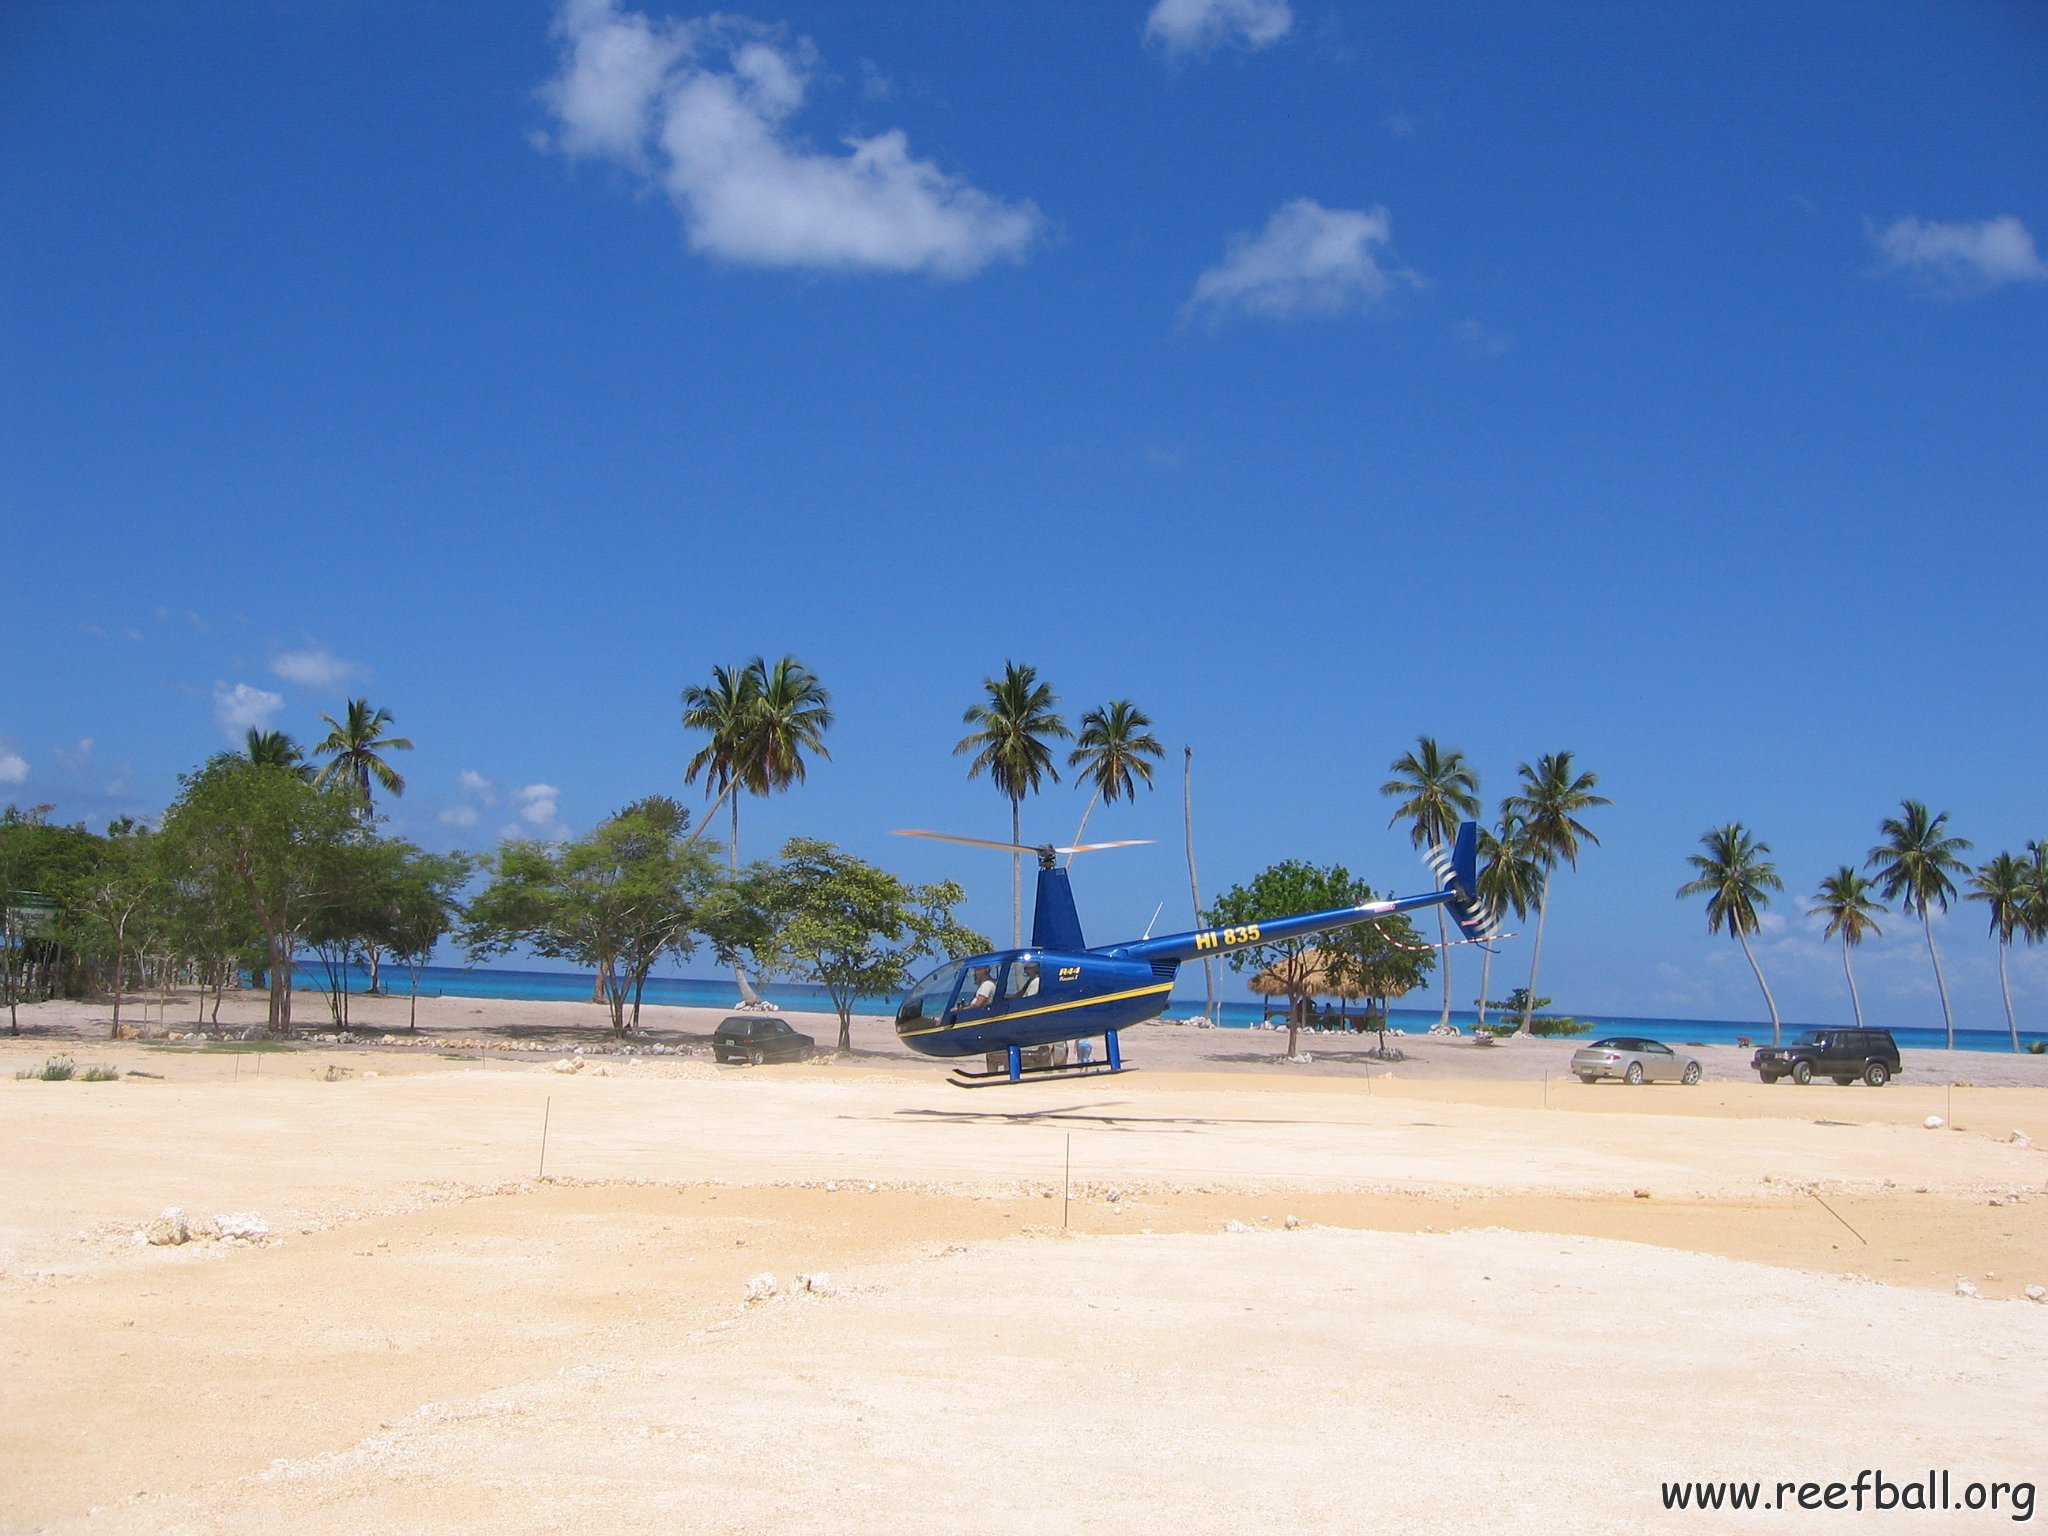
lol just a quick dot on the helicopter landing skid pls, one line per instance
(1001, 1078)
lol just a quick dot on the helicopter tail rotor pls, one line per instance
(1457, 871)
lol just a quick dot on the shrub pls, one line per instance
(57, 1069)
(99, 1073)
(1561, 1024)
(2038, 1047)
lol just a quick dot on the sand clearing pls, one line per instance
(1324, 1298)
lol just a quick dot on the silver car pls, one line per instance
(1634, 1061)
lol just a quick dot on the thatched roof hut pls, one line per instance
(1312, 973)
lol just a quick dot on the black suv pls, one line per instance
(1843, 1054)
(758, 1038)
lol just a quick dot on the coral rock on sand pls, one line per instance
(1964, 1287)
(1934, 1122)
(169, 1229)
(2037, 1293)
(761, 1288)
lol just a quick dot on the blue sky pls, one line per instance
(1663, 384)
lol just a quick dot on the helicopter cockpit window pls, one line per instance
(1022, 979)
(929, 997)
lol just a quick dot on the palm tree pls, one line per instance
(1549, 804)
(1113, 753)
(353, 745)
(1736, 879)
(1009, 744)
(1844, 898)
(1913, 866)
(274, 749)
(792, 712)
(1510, 878)
(725, 712)
(2007, 884)
(2034, 918)
(1441, 790)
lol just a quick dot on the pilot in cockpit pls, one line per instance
(984, 989)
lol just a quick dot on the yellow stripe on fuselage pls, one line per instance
(1031, 1013)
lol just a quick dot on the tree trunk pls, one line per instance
(1293, 1026)
(1941, 986)
(1770, 1002)
(1855, 1002)
(2005, 986)
(376, 972)
(1443, 934)
(1187, 811)
(846, 1027)
(120, 968)
(1016, 879)
(1535, 956)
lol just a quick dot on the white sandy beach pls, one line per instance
(1441, 1294)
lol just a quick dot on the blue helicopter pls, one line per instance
(1001, 1005)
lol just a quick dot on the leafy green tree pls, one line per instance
(1846, 901)
(821, 915)
(1336, 957)
(259, 843)
(423, 906)
(274, 749)
(1013, 729)
(2004, 884)
(1510, 878)
(1115, 753)
(44, 869)
(1549, 803)
(1737, 880)
(1913, 865)
(115, 900)
(615, 900)
(354, 747)
(1438, 789)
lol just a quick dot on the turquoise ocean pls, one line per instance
(719, 992)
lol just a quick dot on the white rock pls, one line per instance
(569, 1064)
(245, 1226)
(1934, 1122)
(817, 1285)
(168, 1230)
(603, 1070)
(1235, 1226)
(760, 1288)
(2037, 1293)
(2022, 1139)
(1964, 1287)
(1293, 1222)
(1115, 1195)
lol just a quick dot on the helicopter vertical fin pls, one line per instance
(1054, 922)
(1457, 871)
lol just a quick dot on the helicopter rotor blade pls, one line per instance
(973, 842)
(983, 842)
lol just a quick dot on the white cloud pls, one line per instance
(1961, 259)
(316, 667)
(1308, 260)
(539, 808)
(476, 787)
(458, 816)
(13, 768)
(1187, 26)
(243, 708)
(74, 760)
(703, 109)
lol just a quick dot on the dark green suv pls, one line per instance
(1843, 1054)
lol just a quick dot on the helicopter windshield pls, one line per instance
(928, 999)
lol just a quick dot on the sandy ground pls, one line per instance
(1454, 1292)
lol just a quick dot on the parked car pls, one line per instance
(1843, 1054)
(757, 1038)
(1634, 1061)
